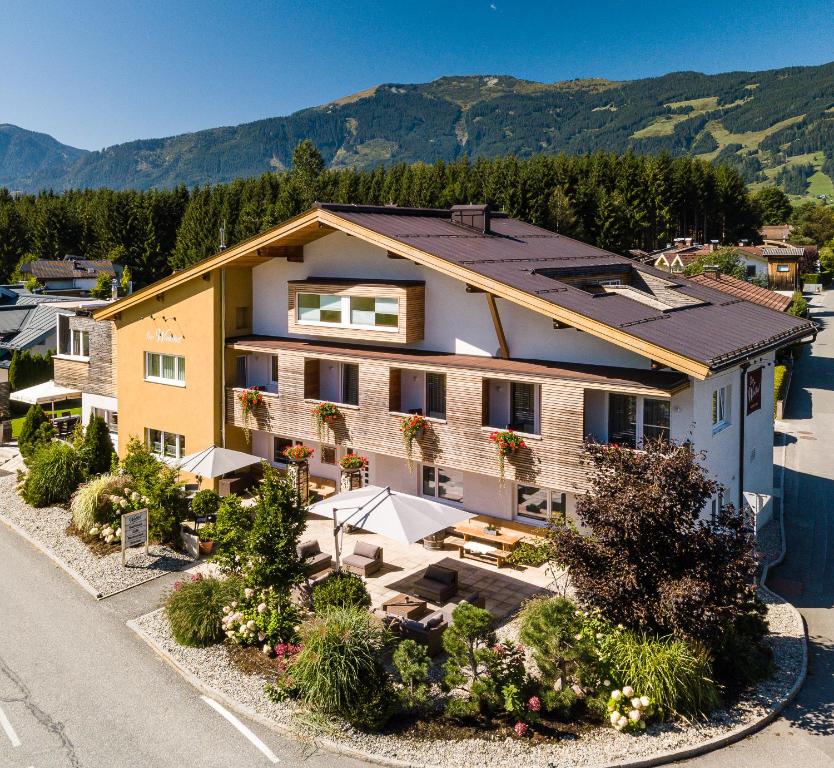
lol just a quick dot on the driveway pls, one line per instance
(804, 736)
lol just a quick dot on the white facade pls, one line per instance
(104, 406)
(460, 322)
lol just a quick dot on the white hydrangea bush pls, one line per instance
(627, 711)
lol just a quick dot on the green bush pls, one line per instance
(231, 533)
(35, 431)
(341, 589)
(780, 381)
(55, 471)
(468, 641)
(411, 661)
(91, 505)
(675, 674)
(531, 553)
(97, 447)
(205, 503)
(810, 278)
(741, 659)
(195, 609)
(29, 368)
(339, 669)
(798, 306)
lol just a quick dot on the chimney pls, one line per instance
(713, 271)
(472, 216)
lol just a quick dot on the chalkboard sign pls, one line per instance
(134, 530)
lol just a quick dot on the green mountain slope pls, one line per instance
(29, 160)
(758, 121)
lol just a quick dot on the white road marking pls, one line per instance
(7, 727)
(268, 753)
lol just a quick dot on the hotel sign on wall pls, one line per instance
(754, 390)
(164, 336)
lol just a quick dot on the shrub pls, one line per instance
(780, 380)
(741, 659)
(205, 503)
(91, 504)
(97, 447)
(341, 589)
(55, 471)
(411, 660)
(35, 431)
(652, 563)
(29, 368)
(257, 617)
(195, 609)
(339, 668)
(531, 553)
(467, 641)
(231, 533)
(798, 306)
(810, 278)
(550, 626)
(675, 674)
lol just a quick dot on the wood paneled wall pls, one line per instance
(459, 442)
(98, 375)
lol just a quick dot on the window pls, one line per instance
(274, 368)
(540, 504)
(240, 371)
(783, 268)
(721, 408)
(164, 369)
(241, 318)
(750, 270)
(436, 395)
(79, 343)
(110, 418)
(375, 312)
(279, 445)
(522, 407)
(350, 384)
(622, 419)
(165, 444)
(655, 419)
(443, 483)
(319, 308)
(327, 454)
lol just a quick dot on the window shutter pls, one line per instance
(523, 414)
(394, 389)
(350, 383)
(436, 395)
(485, 402)
(311, 378)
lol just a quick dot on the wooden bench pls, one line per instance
(480, 551)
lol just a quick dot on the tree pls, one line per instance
(727, 260)
(27, 369)
(467, 641)
(36, 431)
(97, 448)
(280, 520)
(125, 281)
(773, 204)
(307, 167)
(814, 222)
(652, 563)
(102, 289)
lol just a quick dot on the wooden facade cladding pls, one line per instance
(97, 375)
(553, 459)
(410, 294)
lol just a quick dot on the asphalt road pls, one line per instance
(79, 690)
(804, 736)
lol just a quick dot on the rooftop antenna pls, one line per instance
(223, 236)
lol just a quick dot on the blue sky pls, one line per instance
(96, 73)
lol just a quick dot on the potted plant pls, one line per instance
(325, 414)
(206, 534)
(249, 400)
(353, 462)
(412, 428)
(506, 443)
(492, 529)
(298, 453)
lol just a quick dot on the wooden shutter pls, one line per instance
(522, 407)
(311, 378)
(436, 395)
(350, 383)
(394, 389)
(485, 402)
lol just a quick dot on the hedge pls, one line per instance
(780, 379)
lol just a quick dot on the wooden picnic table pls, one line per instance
(506, 541)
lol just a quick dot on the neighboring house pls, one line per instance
(476, 320)
(742, 289)
(71, 275)
(776, 234)
(85, 361)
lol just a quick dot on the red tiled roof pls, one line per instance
(744, 290)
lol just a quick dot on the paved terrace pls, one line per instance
(504, 589)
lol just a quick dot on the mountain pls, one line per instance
(775, 125)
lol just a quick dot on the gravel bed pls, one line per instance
(104, 574)
(769, 540)
(600, 746)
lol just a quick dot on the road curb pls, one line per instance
(663, 758)
(68, 569)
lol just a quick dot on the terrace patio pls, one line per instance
(503, 589)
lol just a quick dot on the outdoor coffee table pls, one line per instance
(406, 606)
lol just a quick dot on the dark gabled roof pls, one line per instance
(716, 331)
(48, 269)
(743, 290)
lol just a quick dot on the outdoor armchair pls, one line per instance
(365, 560)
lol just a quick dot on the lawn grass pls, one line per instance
(748, 140)
(17, 422)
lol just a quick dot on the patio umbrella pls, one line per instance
(398, 516)
(215, 461)
(47, 392)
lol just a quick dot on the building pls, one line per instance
(742, 289)
(476, 320)
(71, 275)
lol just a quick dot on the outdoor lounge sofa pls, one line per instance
(365, 560)
(437, 584)
(427, 631)
(473, 598)
(315, 561)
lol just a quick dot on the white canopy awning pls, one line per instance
(48, 392)
(215, 461)
(399, 516)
